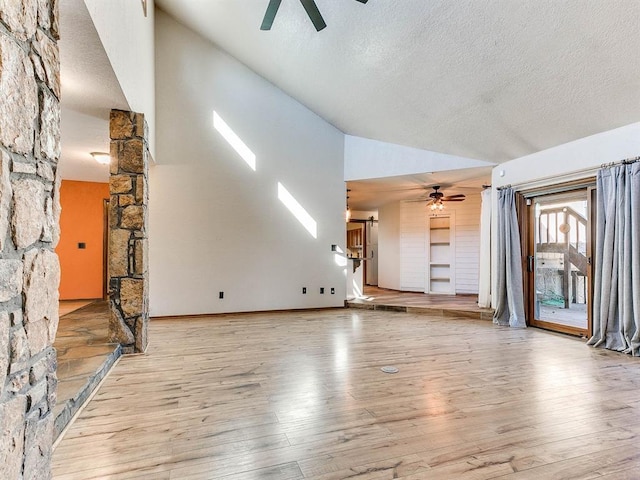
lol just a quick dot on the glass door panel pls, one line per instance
(561, 262)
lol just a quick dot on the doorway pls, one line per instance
(105, 248)
(559, 261)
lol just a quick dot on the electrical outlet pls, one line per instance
(221, 295)
(82, 245)
(304, 290)
(333, 291)
(321, 290)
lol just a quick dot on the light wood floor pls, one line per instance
(301, 395)
(375, 298)
(68, 306)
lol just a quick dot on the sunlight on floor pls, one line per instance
(68, 306)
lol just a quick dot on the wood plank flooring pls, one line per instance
(375, 298)
(301, 396)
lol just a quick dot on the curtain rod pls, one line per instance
(591, 170)
(626, 161)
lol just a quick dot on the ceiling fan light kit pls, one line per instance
(310, 7)
(437, 199)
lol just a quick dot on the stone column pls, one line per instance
(29, 214)
(128, 271)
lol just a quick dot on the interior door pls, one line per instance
(559, 262)
(371, 234)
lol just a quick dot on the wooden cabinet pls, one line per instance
(441, 254)
(355, 239)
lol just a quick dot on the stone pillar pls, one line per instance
(29, 214)
(128, 271)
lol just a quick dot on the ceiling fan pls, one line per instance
(309, 5)
(436, 199)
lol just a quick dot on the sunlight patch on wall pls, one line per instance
(297, 210)
(340, 260)
(234, 140)
(356, 289)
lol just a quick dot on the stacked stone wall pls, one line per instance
(29, 215)
(128, 260)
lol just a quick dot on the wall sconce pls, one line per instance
(101, 157)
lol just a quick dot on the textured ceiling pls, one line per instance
(372, 194)
(491, 80)
(486, 79)
(89, 91)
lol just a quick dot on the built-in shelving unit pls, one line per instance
(441, 255)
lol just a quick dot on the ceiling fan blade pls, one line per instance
(452, 199)
(314, 14)
(362, 1)
(270, 14)
(458, 195)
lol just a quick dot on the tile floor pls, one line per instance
(85, 355)
(68, 306)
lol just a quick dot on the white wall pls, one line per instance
(217, 225)
(570, 161)
(413, 255)
(467, 243)
(389, 246)
(364, 214)
(365, 159)
(128, 39)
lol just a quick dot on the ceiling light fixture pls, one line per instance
(437, 205)
(437, 198)
(101, 157)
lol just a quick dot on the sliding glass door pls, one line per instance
(559, 262)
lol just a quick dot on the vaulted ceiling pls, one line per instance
(487, 79)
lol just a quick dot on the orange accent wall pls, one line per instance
(81, 220)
